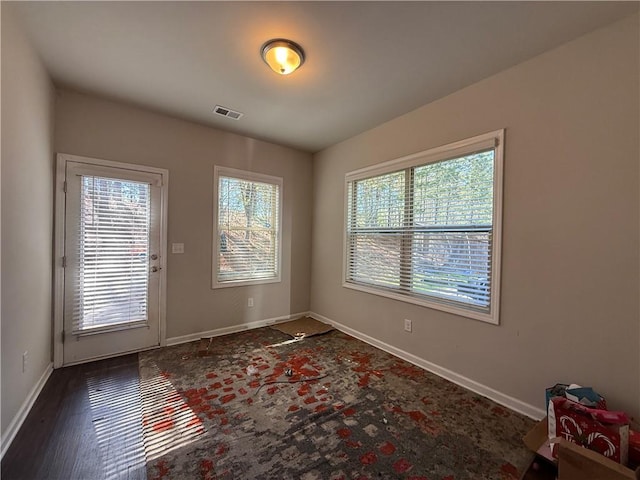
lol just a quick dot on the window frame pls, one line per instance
(219, 171)
(491, 140)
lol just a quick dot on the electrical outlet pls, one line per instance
(407, 325)
(25, 357)
(250, 302)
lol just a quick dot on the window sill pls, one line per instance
(244, 283)
(474, 315)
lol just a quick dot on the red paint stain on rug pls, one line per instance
(162, 470)
(363, 360)
(206, 469)
(420, 418)
(222, 449)
(169, 410)
(500, 411)
(304, 390)
(368, 458)
(509, 472)
(387, 448)
(194, 422)
(163, 425)
(344, 433)
(402, 466)
(228, 398)
(406, 370)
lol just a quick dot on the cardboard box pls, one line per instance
(634, 446)
(575, 462)
(579, 463)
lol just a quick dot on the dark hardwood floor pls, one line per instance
(85, 425)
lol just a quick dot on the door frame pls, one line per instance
(59, 246)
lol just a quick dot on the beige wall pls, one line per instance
(571, 208)
(93, 127)
(27, 217)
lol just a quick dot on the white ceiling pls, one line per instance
(367, 62)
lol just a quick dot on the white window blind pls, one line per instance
(426, 231)
(112, 274)
(248, 228)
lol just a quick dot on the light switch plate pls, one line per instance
(177, 248)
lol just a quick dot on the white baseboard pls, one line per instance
(498, 397)
(25, 408)
(232, 329)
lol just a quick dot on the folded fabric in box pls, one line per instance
(599, 430)
(586, 396)
(558, 390)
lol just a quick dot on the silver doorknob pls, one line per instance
(154, 269)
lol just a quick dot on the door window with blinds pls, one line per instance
(113, 248)
(247, 228)
(426, 228)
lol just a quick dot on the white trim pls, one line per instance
(498, 194)
(59, 245)
(443, 152)
(251, 177)
(14, 427)
(110, 163)
(233, 329)
(164, 232)
(488, 392)
(58, 270)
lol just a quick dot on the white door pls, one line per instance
(113, 229)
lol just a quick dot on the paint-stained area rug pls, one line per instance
(325, 407)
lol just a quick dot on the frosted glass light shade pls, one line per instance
(282, 56)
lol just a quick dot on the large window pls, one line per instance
(426, 228)
(246, 228)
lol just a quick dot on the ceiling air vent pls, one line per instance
(227, 112)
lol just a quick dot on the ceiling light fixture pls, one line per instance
(283, 56)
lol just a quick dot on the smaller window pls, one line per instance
(247, 229)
